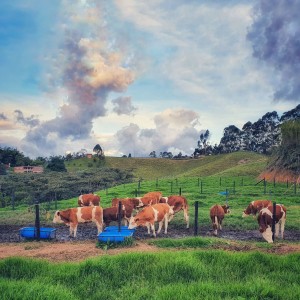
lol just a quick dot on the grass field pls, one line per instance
(166, 275)
(184, 272)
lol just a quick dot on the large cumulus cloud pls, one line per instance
(275, 37)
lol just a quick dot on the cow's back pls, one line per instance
(217, 210)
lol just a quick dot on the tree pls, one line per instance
(2, 169)
(152, 154)
(98, 150)
(57, 164)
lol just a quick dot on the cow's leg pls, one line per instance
(282, 227)
(160, 224)
(277, 229)
(220, 224)
(99, 227)
(186, 217)
(74, 229)
(153, 229)
(215, 225)
(166, 224)
(148, 227)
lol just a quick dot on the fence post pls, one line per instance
(156, 182)
(13, 199)
(119, 216)
(171, 187)
(196, 218)
(273, 221)
(233, 187)
(220, 181)
(201, 188)
(265, 184)
(180, 191)
(198, 181)
(135, 192)
(37, 220)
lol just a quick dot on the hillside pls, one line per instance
(232, 164)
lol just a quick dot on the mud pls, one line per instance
(88, 232)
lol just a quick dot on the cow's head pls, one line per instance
(132, 223)
(226, 209)
(248, 211)
(57, 218)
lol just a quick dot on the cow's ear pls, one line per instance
(58, 213)
(137, 219)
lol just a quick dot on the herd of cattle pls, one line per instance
(153, 207)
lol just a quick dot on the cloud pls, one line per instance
(31, 121)
(88, 68)
(275, 40)
(2, 116)
(174, 129)
(123, 106)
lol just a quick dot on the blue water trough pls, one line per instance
(116, 234)
(31, 233)
(113, 235)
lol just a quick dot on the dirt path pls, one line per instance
(79, 251)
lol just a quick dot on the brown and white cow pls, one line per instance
(255, 207)
(72, 216)
(147, 217)
(265, 218)
(150, 199)
(88, 200)
(217, 214)
(178, 203)
(129, 204)
(110, 214)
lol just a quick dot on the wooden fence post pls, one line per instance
(196, 218)
(37, 220)
(273, 221)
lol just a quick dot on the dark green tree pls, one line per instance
(57, 164)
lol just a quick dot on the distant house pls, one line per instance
(28, 169)
(89, 155)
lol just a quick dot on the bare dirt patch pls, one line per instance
(66, 249)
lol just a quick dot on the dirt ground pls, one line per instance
(62, 248)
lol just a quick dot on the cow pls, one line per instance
(129, 204)
(110, 214)
(265, 218)
(147, 217)
(72, 216)
(217, 214)
(178, 203)
(150, 199)
(255, 207)
(88, 200)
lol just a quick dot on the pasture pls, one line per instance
(183, 266)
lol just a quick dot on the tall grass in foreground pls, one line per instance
(166, 275)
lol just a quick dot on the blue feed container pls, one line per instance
(116, 228)
(114, 236)
(31, 232)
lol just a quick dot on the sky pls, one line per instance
(142, 76)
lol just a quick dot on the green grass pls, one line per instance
(152, 168)
(182, 275)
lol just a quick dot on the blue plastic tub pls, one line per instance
(114, 236)
(45, 233)
(116, 228)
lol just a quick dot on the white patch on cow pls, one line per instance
(267, 235)
(266, 211)
(80, 199)
(79, 215)
(166, 199)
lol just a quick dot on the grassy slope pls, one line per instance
(152, 168)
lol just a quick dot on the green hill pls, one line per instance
(232, 164)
